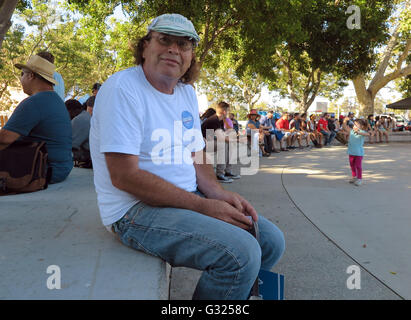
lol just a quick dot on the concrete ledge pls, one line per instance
(61, 226)
(400, 136)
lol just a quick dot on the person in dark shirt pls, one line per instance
(215, 124)
(331, 123)
(42, 117)
(268, 122)
(81, 130)
(207, 114)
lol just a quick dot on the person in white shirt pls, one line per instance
(154, 188)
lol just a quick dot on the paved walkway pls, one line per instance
(330, 224)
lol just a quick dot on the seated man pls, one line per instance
(306, 129)
(332, 124)
(371, 127)
(312, 128)
(323, 128)
(284, 125)
(41, 117)
(295, 124)
(81, 129)
(253, 123)
(268, 122)
(148, 196)
(382, 128)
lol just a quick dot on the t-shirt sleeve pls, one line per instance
(121, 119)
(24, 118)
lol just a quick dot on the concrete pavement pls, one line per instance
(330, 225)
(371, 223)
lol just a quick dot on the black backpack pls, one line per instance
(23, 167)
(82, 158)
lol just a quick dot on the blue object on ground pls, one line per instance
(271, 285)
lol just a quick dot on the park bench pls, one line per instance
(54, 246)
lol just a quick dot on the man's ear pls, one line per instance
(31, 75)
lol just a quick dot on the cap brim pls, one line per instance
(177, 33)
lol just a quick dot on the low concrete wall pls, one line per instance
(61, 226)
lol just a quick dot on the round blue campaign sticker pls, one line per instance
(187, 119)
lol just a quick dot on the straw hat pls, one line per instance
(40, 66)
(253, 112)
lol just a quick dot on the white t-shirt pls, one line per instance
(130, 116)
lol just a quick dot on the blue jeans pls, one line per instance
(229, 256)
(328, 136)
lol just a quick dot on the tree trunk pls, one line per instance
(365, 97)
(366, 105)
(6, 11)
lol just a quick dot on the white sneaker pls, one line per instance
(358, 182)
(352, 180)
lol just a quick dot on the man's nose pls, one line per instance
(173, 48)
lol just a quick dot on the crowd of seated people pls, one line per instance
(300, 130)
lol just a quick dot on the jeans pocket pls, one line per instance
(122, 225)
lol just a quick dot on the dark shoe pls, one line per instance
(223, 179)
(284, 149)
(275, 151)
(232, 176)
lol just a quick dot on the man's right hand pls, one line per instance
(224, 211)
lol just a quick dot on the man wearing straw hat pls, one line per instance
(41, 117)
(154, 189)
